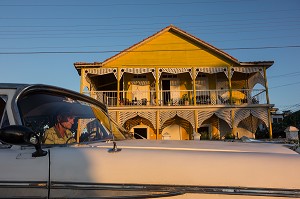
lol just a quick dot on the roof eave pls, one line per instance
(266, 64)
(83, 65)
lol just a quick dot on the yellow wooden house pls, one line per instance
(173, 85)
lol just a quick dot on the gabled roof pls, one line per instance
(176, 30)
(172, 28)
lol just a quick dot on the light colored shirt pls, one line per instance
(52, 136)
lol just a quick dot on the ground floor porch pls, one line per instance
(188, 123)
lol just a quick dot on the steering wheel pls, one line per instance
(70, 138)
(88, 137)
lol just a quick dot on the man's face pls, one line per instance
(68, 122)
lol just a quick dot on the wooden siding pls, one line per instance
(168, 50)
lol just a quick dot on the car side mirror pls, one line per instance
(21, 135)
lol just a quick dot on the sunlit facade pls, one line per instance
(175, 86)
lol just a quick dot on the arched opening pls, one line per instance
(176, 128)
(140, 128)
(214, 128)
(249, 126)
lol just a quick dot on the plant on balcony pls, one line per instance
(185, 99)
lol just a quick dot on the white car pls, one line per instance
(101, 163)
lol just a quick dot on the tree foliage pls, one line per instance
(290, 120)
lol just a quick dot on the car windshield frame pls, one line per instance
(39, 108)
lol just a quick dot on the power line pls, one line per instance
(284, 85)
(285, 75)
(256, 20)
(259, 48)
(144, 51)
(144, 17)
(120, 4)
(79, 31)
(107, 35)
(293, 108)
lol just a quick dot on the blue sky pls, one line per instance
(40, 40)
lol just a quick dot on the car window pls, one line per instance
(3, 114)
(39, 111)
(2, 105)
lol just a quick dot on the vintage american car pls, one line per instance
(102, 163)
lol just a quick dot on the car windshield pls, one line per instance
(89, 123)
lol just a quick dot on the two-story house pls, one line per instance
(173, 85)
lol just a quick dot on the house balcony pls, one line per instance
(235, 97)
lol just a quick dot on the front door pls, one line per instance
(140, 133)
(21, 175)
(166, 96)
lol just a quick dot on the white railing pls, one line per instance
(181, 97)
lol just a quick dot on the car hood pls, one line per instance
(192, 163)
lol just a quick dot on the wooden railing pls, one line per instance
(180, 97)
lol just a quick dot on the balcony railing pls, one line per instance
(181, 97)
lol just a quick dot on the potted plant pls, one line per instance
(185, 99)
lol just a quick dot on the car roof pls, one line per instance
(21, 88)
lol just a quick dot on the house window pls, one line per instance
(170, 86)
(201, 82)
(140, 88)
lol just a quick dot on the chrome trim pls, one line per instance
(180, 189)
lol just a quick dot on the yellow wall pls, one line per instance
(176, 132)
(154, 52)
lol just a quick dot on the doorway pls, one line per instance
(204, 132)
(166, 95)
(140, 133)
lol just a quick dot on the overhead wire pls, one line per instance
(124, 4)
(138, 17)
(144, 51)
(284, 85)
(243, 22)
(292, 108)
(130, 30)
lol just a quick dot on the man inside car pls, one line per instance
(60, 133)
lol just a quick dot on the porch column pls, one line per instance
(196, 122)
(157, 85)
(157, 124)
(194, 85)
(229, 83)
(83, 81)
(195, 103)
(232, 122)
(268, 102)
(230, 97)
(266, 85)
(118, 95)
(270, 124)
(118, 87)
